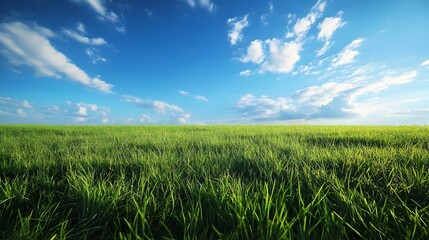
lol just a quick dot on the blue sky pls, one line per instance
(214, 62)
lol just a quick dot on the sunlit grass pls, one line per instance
(214, 182)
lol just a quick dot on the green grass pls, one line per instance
(214, 182)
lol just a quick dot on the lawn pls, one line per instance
(214, 182)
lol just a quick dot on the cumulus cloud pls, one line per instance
(197, 97)
(207, 4)
(99, 6)
(29, 45)
(255, 52)
(282, 56)
(84, 39)
(348, 54)
(237, 25)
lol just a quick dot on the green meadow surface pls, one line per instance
(214, 182)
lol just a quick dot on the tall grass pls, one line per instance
(214, 182)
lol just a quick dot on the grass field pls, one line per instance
(214, 182)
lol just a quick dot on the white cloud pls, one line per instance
(26, 104)
(201, 98)
(83, 39)
(99, 6)
(146, 119)
(207, 4)
(304, 24)
(383, 84)
(283, 56)
(424, 63)
(183, 92)
(155, 106)
(30, 46)
(121, 29)
(183, 119)
(79, 119)
(14, 110)
(329, 100)
(235, 34)
(348, 54)
(328, 27)
(197, 97)
(323, 50)
(262, 108)
(255, 52)
(246, 72)
(21, 112)
(80, 27)
(95, 58)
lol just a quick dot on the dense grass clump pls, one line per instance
(214, 182)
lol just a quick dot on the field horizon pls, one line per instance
(214, 182)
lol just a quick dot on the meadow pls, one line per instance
(214, 182)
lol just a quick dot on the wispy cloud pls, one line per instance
(348, 54)
(17, 111)
(303, 25)
(29, 45)
(99, 6)
(197, 97)
(84, 39)
(207, 4)
(327, 29)
(329, 100)
(176, 113)
(237, 25)
(93, 55)
(424, 63)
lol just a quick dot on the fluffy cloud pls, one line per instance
(84, 39)
(255, 52)
(282, 56)
(348, 54)
(235, 34)
(328, 27)
(207, 4)
(99, 6)
(29, 45)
